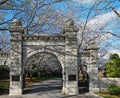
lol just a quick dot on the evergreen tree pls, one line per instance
(113, 66)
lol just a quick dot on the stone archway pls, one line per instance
(34, 59)
(61, 58)
(64, 46)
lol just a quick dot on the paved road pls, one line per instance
(48, 89)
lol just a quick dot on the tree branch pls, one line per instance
(113, 34)
(36, 8)
(4, 1)
(82, 38)
(115, 11)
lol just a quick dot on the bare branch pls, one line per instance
(113, 34)
(4, 1)
(9, 20)
(36, 9)
(82, 38)
(115, 11)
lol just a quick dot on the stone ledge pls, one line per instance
(3, 54)
(47, 37)
(17, 29)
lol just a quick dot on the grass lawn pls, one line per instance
(28, 81)
(105, 95)
(4, 83)
(4, 86)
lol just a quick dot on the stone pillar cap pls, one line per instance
(16, 22)
(69, 26)
(92, 45)
(16, 26)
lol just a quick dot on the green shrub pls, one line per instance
(114, 89)
(113, 68)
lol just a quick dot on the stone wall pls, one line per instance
(105, 82)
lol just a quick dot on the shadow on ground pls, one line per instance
(50, 85)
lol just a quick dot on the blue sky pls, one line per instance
(105, 17)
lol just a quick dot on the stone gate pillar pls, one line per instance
(71, 50)
(16, 76)
(93, 68)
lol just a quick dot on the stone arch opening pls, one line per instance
(83, 79)
(4, 79)
(43, 64)
(4, 72)
(59, 56)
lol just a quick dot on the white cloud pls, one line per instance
(85, 1)
(106, 54)
(101, 20)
